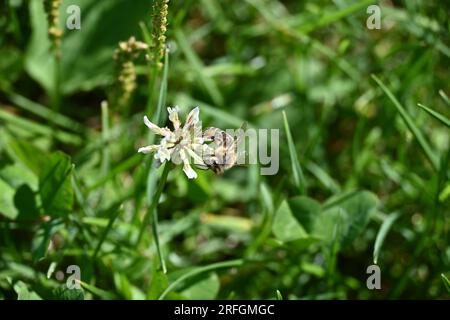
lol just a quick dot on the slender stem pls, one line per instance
(56, 84)
(151, 212)
(105, 159)
(152, 75)
(105, 134)
(112, 218)
(56, 94)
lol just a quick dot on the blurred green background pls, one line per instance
(365, 176)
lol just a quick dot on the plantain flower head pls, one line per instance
(180, 145)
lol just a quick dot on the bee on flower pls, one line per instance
(212, 149)
(181, 144)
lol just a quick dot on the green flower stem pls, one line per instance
(112, 218)
(56, 94)
(151, 212)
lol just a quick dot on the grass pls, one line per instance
(363, 179)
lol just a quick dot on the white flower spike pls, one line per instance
(181, 144)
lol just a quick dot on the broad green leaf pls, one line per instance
(206, 288)
(64, 293)
(26, 204)
(285, 226)
(302, 218)
(28, 154)
(350, 212)
(123, 285)
(23, 293)
(55, 186)
(158, 282)
(7, 207)
(305, 210)
(326, 222)
(17, 175)
(23, 183)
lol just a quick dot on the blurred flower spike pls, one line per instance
(180, 144)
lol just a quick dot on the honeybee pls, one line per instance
(222, 153)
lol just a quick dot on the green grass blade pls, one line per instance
(45, 113)
(152, 195)
(146, 35)
(446, 282)
(381, 235)
(323, 177)
(278, 24)
(333, 249)
(199, 270)
(297, 171)
(334, 16)
(444, 97)
(436, 115)
(152, 212)
(123, 166)
(216, 113)
(279, 296)
(339, 198)
(155, 225)
(266, 197)
(105, 135)
(162, 92)
(208, 83)
(409, 123)
(62, 136)
(103, 294)
(79, 195)
(113, 214)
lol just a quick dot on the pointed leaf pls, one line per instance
(55, 186)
